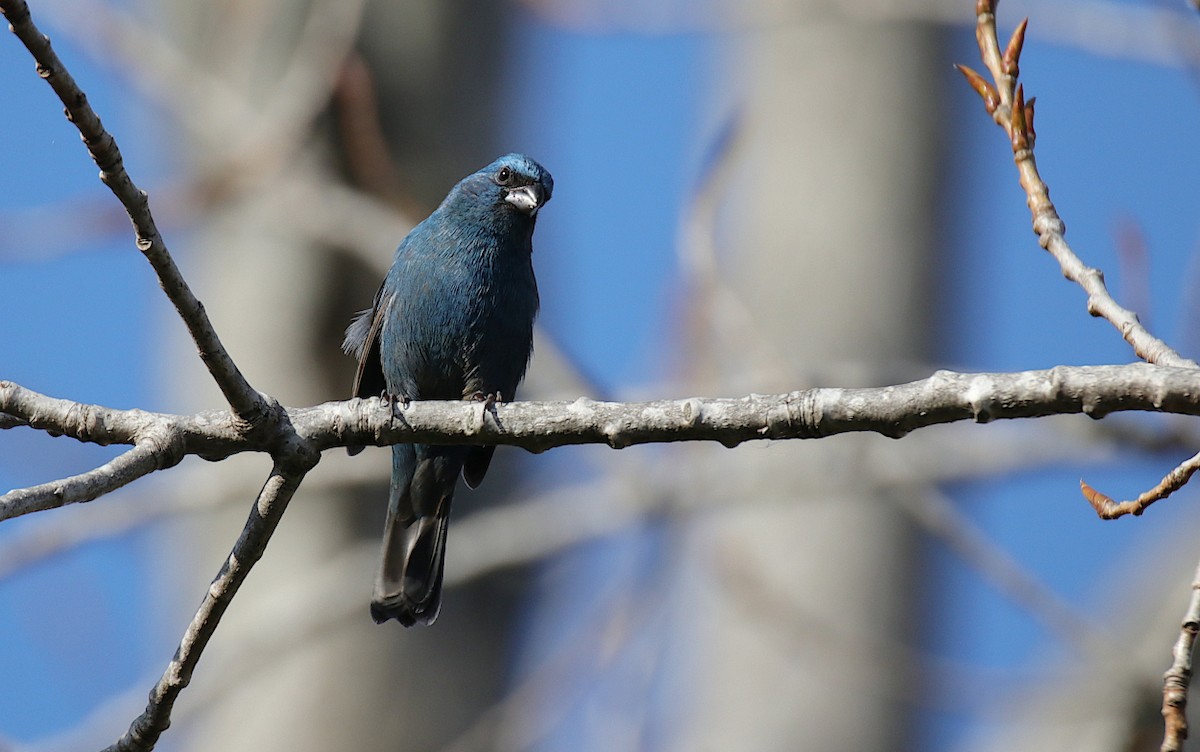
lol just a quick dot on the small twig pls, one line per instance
(1179, 676)
(1109, 509)
(120, 471)
(272, 500)
(245, 401)
(1004, 100)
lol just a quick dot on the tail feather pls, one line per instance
(409, 585)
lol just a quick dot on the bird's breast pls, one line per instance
(460, 323)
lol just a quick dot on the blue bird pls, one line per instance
(452, 320)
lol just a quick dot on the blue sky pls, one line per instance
(1115, 144)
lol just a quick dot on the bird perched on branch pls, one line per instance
(452, 320)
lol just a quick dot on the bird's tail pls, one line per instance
(409, 585)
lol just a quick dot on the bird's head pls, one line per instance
(516, 182)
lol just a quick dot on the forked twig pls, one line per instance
(1004, 99)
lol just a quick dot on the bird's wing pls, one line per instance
(362, 341)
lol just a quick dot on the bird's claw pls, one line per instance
(488, 399)
(487, 404)
(393, 400)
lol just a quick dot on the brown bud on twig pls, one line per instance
(984, 89)
(1108, 509)
(1102, 503)
(985, 6)
(1012, 53)
(1020, 138)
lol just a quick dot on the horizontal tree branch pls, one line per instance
(943, 397)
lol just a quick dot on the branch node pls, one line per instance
(615, 435)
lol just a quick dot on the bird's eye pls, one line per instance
(504, 175)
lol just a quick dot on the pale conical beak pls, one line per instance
(527, 198)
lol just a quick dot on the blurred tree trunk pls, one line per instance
(823, 241)
(281, 298)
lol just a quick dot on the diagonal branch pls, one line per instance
(268, 509)
(245, 401)
(193, 491)
(122, 470)
(1004, 100)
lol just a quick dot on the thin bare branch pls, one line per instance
(1177, 678)
(268, 509)
(245, 401)
(1109, 509)
(120, 471)
(192, 490)
(1013, 115)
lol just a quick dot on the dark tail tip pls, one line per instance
(404, 611)
(409, 586)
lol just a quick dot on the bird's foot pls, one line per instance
(395, 399)
(487, 404)
(488, 399)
